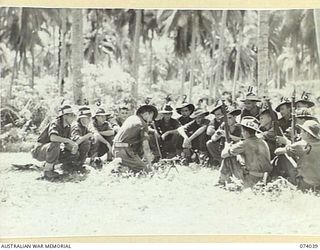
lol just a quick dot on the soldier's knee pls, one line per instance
(209, 144)
(54, 148)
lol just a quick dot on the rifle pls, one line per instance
(278, 131)
(293, 115)
(274, 118)
(230, 162)
(157, 141)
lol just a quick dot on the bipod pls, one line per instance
(172, 162)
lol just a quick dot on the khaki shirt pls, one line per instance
(255, 152)
(308, 160)
(133, 131)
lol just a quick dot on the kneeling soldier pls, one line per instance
(131, 141)
(56, 133)
(254, 151)
(307, 151)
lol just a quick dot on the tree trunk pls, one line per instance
(135, 56)
(194, 19)
(15, 63)
(151, 62)
(263, 33)
(96, 38)
(212, 64)
(183, 75)
(77, 55)
(32, 67)
(237, 64)
(316, 14)
(62, 52)
(220, 52)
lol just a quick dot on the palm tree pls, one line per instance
(220, 52)
(77, 55)
(263, 33)
(187, 28)
(316, 13)
(135, 56)
(62, 54)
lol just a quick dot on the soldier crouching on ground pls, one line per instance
(217, 141)
(254, 151)
(103, 135)
(57, 132)
(131, 142)
(166, 132)
(194, 134)
(307, 151)
(82, 136)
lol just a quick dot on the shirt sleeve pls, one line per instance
(298, 149)
(75, 132)
(237, 148)
(176, 124)
(53, 129)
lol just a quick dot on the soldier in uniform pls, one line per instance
(103, 134)
(216, 143)
(254, 151)
(56, 133)
(268, 132)
(131, 141)
(250, 105)
(307, 151)
(166, 128)
(185, 110)
(194, 134)
(81, 134)
(284, 108)
(120, 118)
(304, 101)
(217, 120)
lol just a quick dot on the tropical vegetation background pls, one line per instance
(114, 55)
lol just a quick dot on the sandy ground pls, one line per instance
(184, 203)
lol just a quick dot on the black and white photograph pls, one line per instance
(159, 122)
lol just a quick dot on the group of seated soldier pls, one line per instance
(74, 137)
(260, 144)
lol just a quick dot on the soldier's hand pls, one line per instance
(210, 130)
(186, 143)
(282, 140)
(89, 135)
(163, 137)
(74, 147)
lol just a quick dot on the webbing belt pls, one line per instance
(121, 145)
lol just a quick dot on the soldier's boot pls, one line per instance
(49, 172)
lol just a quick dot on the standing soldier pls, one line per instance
(131, 141)
(250, 105)
(194, 134)
(185, 110)
(217, 141)
(254, 151)
(81, 135)
(307, 151)
(284, 108)
(103, 134)
(166, 128)
(56, 133)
